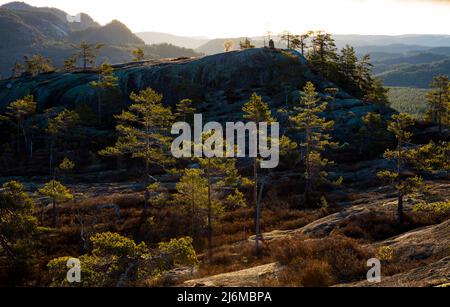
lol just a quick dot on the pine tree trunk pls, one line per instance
(400, 195)
(54, 213)
(99, 106)
(401, 217)
(307, 168)
(18, 137)
(210, 230)
(146, 201)
(257, 209)
(51, 157)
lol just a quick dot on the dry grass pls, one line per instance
(334, 259)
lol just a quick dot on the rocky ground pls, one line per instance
(432, 242)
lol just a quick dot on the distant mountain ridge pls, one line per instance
(29, 30)
(50, 24)
(362, 43)
(417, 75)
(114, 33)
(182, 41)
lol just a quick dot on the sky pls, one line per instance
(233, 18)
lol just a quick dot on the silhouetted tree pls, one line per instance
(246, 44)
(228, 45)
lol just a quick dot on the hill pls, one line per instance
(220, 85)
(28, 30)
(215, 46)
(362, 43)
(417, 75)
(114, 33)
(182, 41)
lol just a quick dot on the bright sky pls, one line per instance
(231, 18)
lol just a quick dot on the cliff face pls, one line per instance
(218, 84)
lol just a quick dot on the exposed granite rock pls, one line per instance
(433, 275)
(218, 84)
(421, 243)
(253, 277)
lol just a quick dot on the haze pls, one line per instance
(232, 18)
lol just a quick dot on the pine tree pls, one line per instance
(287, 37)
(323, 54)
(17, 223)
(64, 167)
(70, 63)
(106, 80)
(58, 193)
(228, 45)
(331, 98)
(37, 64)
(87, 53)
(307, 118)
(144, 134)
(17, 70)
(370, 88)
(184, 109)
(438, 100)
(432, 157)
(347, 63)
(192, 191)
(377, 92)
(138, 55)
(399, 126)
(373, 135)
(300, 41)
(223, 183)
(257, 111)
(246, 44)
(22, 111)
(60, 128)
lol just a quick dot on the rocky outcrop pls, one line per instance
(253, 277)
(433, 275)
(431, 240)
(421, 243)
(218, 84)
